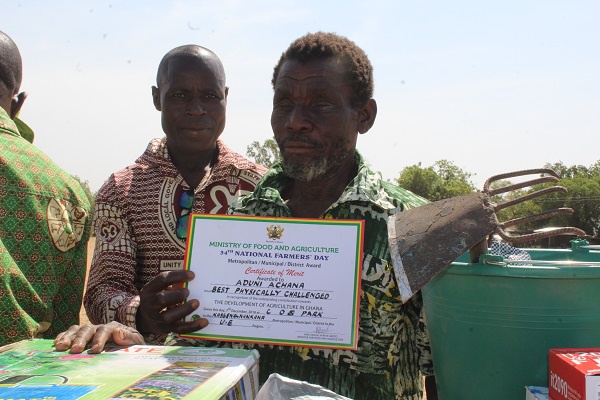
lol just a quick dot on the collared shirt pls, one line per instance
(135, 223)
(44, 229)
(393, 344)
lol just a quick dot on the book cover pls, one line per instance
(33, 370)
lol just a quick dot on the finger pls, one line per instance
(103, 334)
(81, 338)
(22, 96)
(63, 339)
(16, 104)
(162, 300)
(164, 280)
(190, 326)
(174, 314)
(120, 334)
(127, 336)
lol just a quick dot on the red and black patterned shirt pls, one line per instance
(135, 221)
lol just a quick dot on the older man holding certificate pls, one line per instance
(323, 99)
(323, 87)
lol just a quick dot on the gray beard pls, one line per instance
(307, 173)
(322, 167)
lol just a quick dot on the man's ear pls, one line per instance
(367, 114)
(226, 92)
(16, 103)
(156, 98)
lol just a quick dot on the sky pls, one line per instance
(491, 86)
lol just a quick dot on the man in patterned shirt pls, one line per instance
(323, 99)
(44, 225)
(142, 211)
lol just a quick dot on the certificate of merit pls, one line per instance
(282, 281)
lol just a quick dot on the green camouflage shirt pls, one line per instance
(44, 229)
(393, 346)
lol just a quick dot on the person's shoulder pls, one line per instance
(118, 182)
(121, 180)
(266, 197)
(405, 197)
(231, 157)
(387, 194)
(55, 179)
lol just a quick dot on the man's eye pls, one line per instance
(178, 95)
(320, 104)
(283, 105)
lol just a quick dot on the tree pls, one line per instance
(418, 180)
(575, 170)
(440, 181)
(518, 210)
(265, 154)
(583, 185)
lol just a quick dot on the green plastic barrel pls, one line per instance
(491, 326)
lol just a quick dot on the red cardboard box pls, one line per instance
(574, 374)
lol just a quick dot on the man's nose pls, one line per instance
(195, 106)
(298, 119)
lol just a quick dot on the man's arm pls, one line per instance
(66, 304)
(18, 300)
(111, 293)
(425, 359)
(160, 311)
(112, 296)
(431, 388)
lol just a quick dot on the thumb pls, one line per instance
(126, 337)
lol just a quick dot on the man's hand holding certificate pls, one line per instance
(276, 280)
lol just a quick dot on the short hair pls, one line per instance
(189, 50)
(11, 68)
(322, 45)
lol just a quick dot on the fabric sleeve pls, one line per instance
(66, 304)
(17, 301)
(111, 293)
(424, 346)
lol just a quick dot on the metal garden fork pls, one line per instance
(425, 240)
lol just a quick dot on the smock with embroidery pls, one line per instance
(44, 229)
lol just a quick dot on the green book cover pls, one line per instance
(33, 370)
